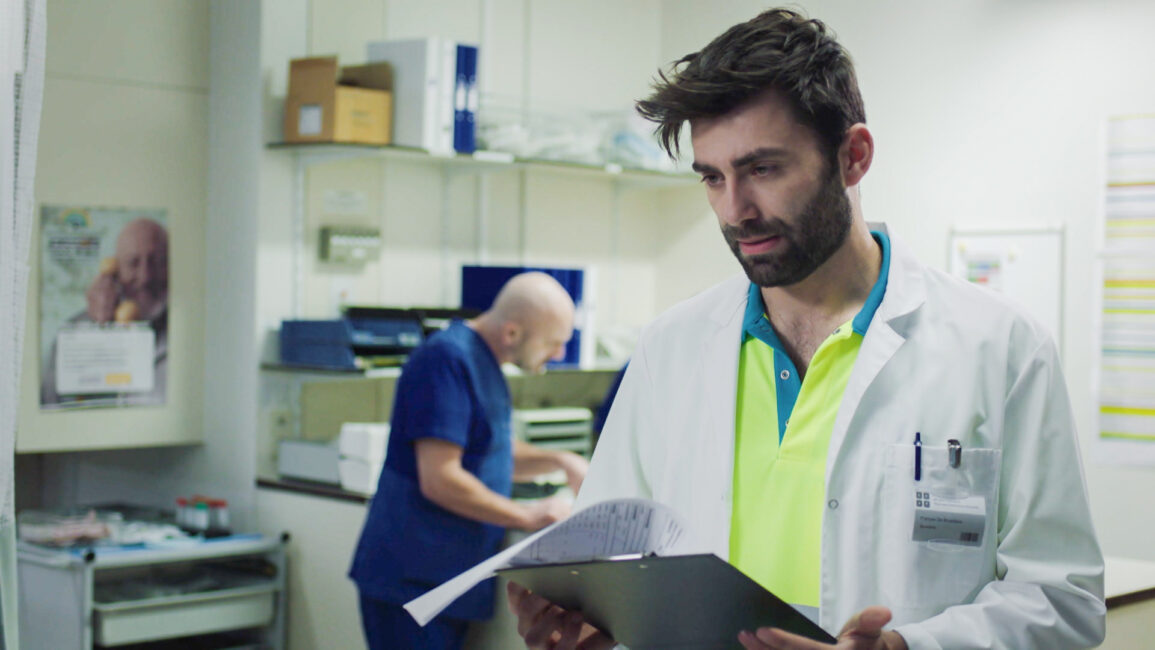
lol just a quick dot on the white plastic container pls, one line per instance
(367, 441)
(359, 476)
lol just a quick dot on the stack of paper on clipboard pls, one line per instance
(628, 566)
(435, 95)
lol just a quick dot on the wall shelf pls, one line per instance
(353, 373)
(483, 162)
(480, 165)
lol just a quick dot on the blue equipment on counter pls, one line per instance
(363, 332)
(384, 330)
(318, 343)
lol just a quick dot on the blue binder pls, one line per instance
(465, 100)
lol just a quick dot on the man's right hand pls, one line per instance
(102, 296)
(545, 626)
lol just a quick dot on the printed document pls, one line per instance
(603, 530)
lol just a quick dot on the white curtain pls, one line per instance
(22, 27)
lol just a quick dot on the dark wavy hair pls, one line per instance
(779, 49)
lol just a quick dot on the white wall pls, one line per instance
(123, 122)
(129, 64)
(537, 52)
(226, 462)
(989, 113)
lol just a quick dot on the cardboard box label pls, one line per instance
(309, 120)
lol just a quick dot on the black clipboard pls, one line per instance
(688, 602)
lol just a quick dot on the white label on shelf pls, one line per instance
(345, 202)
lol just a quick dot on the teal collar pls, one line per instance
(756, 324)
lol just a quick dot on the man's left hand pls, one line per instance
(863, 632)
(545, 626)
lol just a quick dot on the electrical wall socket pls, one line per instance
(349, 244)
(281, 424)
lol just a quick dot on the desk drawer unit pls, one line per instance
(199, 591)
(167, 618)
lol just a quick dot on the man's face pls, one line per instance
(142, 266)
(543, 341)
(782, 207)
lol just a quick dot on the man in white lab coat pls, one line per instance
(817, 420)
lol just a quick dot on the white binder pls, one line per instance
(424, 74)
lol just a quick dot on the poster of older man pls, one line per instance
(103, 307)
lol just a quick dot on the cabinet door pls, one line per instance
(323, 602)
(53, 606)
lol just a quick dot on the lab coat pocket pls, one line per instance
(938, 532)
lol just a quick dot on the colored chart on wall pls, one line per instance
(1126, 381)
(1023, 263)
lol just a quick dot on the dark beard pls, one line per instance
(820, 229)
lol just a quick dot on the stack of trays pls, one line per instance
(362, 447)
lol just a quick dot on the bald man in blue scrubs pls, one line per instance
(442, 502)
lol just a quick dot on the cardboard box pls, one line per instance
(331, 104)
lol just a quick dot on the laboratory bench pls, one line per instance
(312, 488)
(325, 523)
(223, 592)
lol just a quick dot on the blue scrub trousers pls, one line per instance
(390, 627)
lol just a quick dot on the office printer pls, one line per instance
(363, 337)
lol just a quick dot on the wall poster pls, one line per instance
(1023, 263)
(1126, 315)
(103, 307)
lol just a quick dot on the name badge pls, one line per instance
(949, 520)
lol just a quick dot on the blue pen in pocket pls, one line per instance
(917, 456)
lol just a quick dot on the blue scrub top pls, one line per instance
(451, 388)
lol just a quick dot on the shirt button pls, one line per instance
(785, 374)
(833, 504)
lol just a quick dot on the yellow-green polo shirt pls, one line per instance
(782, 433)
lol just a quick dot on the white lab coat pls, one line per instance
(941, 357)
